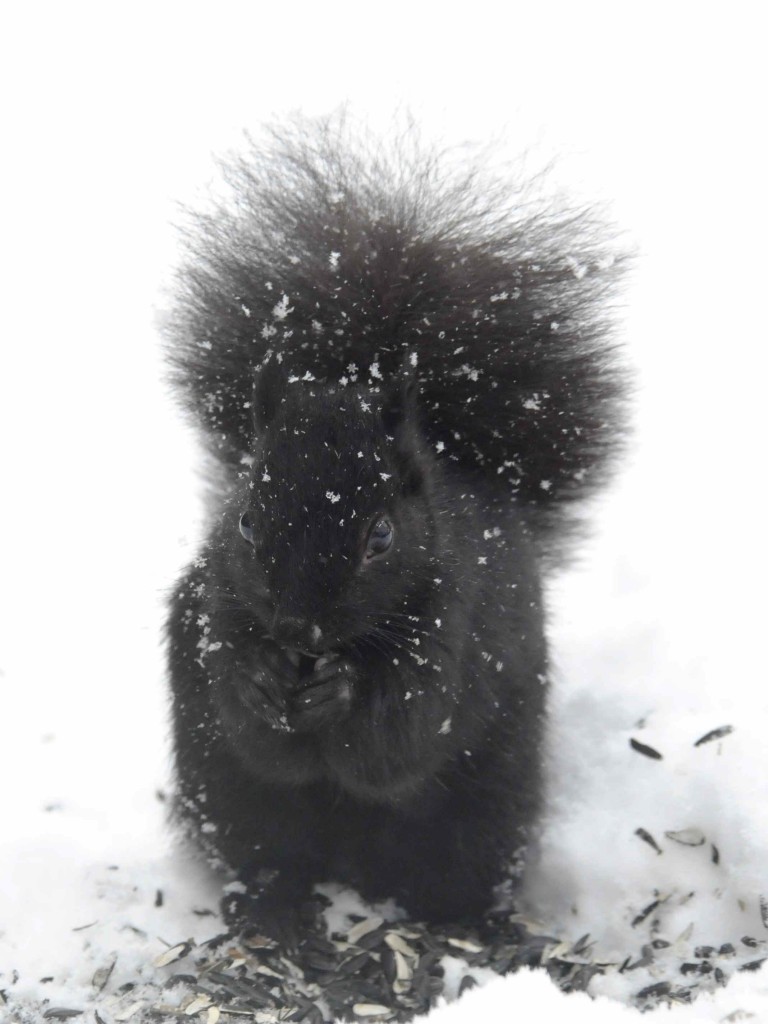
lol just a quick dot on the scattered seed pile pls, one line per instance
(380, 971)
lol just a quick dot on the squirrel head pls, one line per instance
(340, 532)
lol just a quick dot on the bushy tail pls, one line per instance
(339, 257)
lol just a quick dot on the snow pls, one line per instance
(657, 632)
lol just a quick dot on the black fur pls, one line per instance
(380, 339)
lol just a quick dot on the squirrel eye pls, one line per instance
(380, 538)
(246, 527)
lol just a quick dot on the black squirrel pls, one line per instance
(405, 369)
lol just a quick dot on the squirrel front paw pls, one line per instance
(265, 687)
(326, 696)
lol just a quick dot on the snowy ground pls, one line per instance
(657, 633)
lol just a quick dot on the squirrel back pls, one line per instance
(343, 261)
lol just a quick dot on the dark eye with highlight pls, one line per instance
(380, 538)
(246, 527)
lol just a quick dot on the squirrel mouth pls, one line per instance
(307, 662)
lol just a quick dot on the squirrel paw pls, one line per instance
(326, 698)
(264, 689)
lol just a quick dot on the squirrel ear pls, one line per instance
(268, 390)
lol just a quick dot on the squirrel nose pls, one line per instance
(301, 635)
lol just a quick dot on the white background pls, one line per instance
(110, 115)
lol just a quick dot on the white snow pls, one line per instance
(657, 632)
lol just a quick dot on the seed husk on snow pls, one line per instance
(102, 975)
(661, 988)
(704, 952)
(364, 927)
(393, 971)
(648, 838)
(645, 912)
(687, 837)
(643, 748)
(177, 952)
(371, 1010)
(129, 1012)
(397, 942)
(714, 734)
(464, 944)
(701, 968)
(466, 983)
(753, 965)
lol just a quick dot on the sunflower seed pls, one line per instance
(581, 945)
(313, 1015)
(704, 952)
(180, 979)
(61, 1013)
(466, 983)
(714, 734)
(372, 939)
(129, 1012)
(268, 972)
(702, 968)
(371, 1010)
(321, 945)
(196, 1004)
(399, 945)
(648, 838)
(661, 988)
(319, 962)
(257, 941)
(687, 837)
(466, 945)
(643, 748)
(753, 965)
(686, 933)
(556, 952)
(355, 964)
(389, 966)
(174, 953)
(645, 912)
(644, 961)
(102, 976)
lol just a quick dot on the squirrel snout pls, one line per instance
(298, 634)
